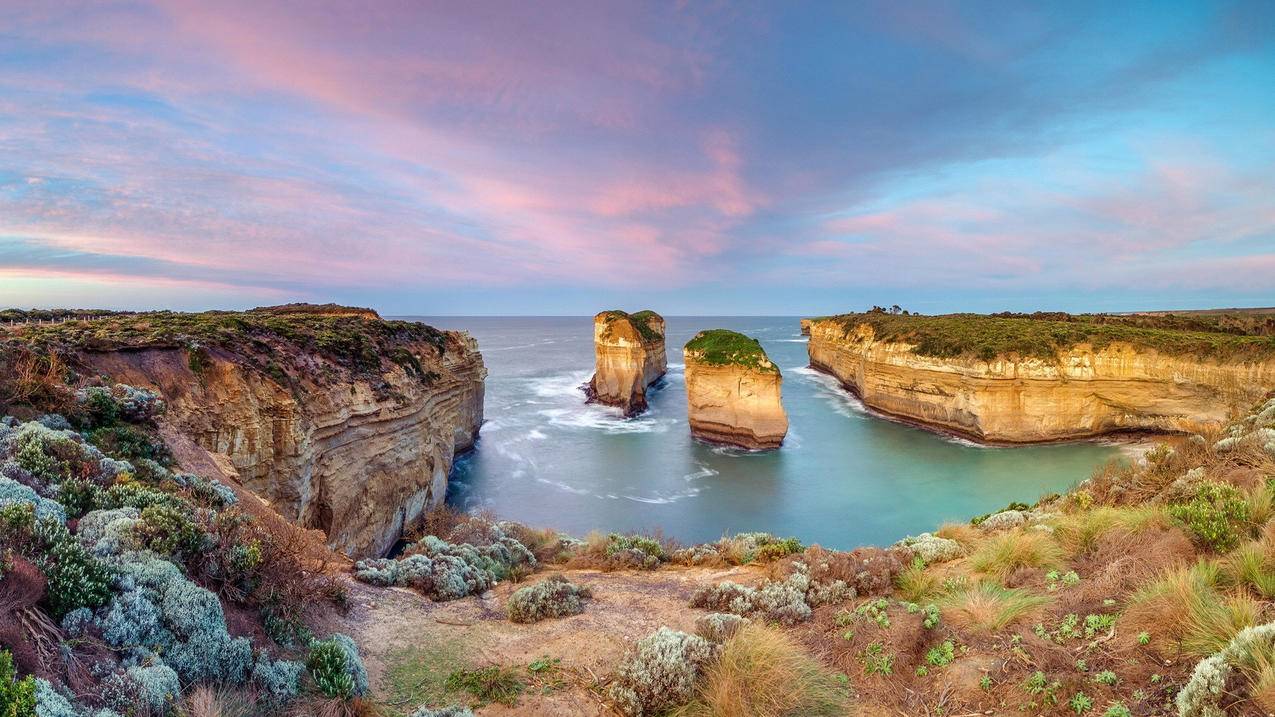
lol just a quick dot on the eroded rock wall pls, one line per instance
(355, 456)
(1082, 392)
(627, 359)
(735, 405)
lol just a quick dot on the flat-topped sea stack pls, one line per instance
(733, 391)
(629, 355)
(1022, 378)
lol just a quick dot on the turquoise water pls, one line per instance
(843, 477)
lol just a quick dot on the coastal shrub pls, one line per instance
(278, 681)
(168, 531)
(739, 549)
(553, 597)
(1249, 651)
(157, 609)
(763, 672)
(447, 571)
(49, 702)
(788, 601)
(1216, 515)
(101, 406)
(128, 443)
(336, 667)
(12, 492)
(718, 627)
(1004, 553)
(17, 696)
(637, 551)
(661, 672)
(74, 578)
(931, 548)
(151, 689)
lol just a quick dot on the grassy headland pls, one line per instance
(1231, 336)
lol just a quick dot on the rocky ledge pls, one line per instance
(341, 420)
(733, 391)
(1033, 378)
(630, 356)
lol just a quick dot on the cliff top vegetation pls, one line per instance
(1043, 334)
(722, 347)
(640, 321)
(350, 338)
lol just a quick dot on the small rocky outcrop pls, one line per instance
(733, 391)
(630, 357)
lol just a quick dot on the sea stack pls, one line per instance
(733, 391)
(629, 354)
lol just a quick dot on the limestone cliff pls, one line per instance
(733, 391)
(1081, 390)
(342, 422)
(629, 357)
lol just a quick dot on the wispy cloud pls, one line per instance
(410, 150)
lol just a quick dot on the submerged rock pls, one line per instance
(630, 356)
(733, 391)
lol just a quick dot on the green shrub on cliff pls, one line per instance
(639, 320)
(723, 347)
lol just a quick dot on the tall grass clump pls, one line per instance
(1185, 605)
(987, 607)
(1081, 532)
(1250, 566)
(764, 673)
(1001, 555)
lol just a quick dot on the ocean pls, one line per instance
(843, 478)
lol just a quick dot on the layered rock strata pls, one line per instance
(733, 391)
(629, 358)
(358, 454)
(1080, 392)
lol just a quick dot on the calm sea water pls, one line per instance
(843, 477)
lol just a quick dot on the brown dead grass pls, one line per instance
(762, 672)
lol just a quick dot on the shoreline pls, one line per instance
(1133, 442)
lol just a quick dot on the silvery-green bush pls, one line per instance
(446, 571)
(1201, 694)
(150, 689)
(661, 672)
(718, 627)
(788, 601)
(552, 597)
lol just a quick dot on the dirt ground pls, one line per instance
(396, 625)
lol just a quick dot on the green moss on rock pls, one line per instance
(723, 347)
(640, 321)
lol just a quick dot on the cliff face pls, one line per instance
(736, 403)
(1081, 392)
(356, 454)
(629, 356)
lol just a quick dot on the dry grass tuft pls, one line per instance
(206, 701)
(1001, 555)
(988, 607)
(333, 707)
(762, 672)
(964, 533)
(1081, 532)
(1184, 606)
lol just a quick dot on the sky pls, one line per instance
(562, 157)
